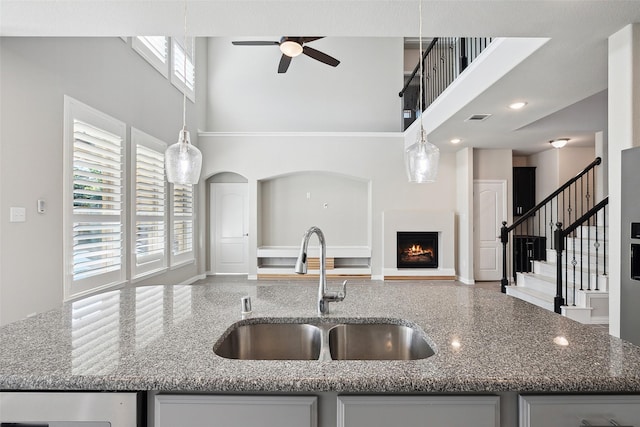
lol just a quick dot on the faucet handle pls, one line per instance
(342, 294)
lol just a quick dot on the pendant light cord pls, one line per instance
(184, 71)
(421, 65)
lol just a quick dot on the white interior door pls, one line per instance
(229, 219)
(489, 210)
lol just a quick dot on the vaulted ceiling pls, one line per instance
(563, 82)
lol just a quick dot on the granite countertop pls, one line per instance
(161, 338)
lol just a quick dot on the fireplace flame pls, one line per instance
(416, 250)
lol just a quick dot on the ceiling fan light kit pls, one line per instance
(292, 47)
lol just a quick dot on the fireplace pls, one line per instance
(417, 249)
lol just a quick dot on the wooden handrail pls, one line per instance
(591, 212)
(566, 185)
(415, 70)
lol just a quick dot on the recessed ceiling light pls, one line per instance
(455, 140)
(517, 105)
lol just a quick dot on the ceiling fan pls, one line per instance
(292, 47)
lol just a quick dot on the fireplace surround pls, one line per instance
(417, 249)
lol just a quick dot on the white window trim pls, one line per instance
(150, 57)
(74, 109)
(157, 266)
(175, 80)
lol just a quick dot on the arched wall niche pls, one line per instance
(289, 204)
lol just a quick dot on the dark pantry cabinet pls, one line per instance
(524, 189)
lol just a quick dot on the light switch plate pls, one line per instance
(17, 214)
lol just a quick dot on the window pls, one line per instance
(149, 216)
(155, 50)
(94, 195)
(182, 239)
(185, 81)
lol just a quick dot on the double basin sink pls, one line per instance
(285, 339)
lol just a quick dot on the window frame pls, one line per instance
(138, 44)
(76, 110)
(177, 70)
(155, 265)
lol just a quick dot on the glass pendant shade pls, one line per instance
(183, 161)
(421, 160)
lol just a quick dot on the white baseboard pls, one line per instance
(193, 279)
(465, 280)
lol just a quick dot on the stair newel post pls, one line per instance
(504, 239)
(558, 301)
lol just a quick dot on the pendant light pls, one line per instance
(183, 160)
(421, 157)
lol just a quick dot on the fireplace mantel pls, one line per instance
(440, 222)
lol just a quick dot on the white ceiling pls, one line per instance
(570, 68)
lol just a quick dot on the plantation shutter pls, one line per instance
(182, 223)
(149, 223)
(186, 82)
(154, 49)
(98, 219)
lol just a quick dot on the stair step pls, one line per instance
(531, 296)
(546, 285)
(587, 230)
(537, 282)
(579, 314)
(549, 269)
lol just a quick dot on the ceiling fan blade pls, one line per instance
(284, 64)
(310, 39)
(255, 43)
(320, 56)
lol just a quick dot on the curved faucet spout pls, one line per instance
(324, 296)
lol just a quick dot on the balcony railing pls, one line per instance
(443, 61)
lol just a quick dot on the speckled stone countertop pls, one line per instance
(161, 338)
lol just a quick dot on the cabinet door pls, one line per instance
(418, 411)
(575, 411)
(234, 411)
(524, 189)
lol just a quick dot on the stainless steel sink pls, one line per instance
(323, 341)
(377, 341)
(272, 341)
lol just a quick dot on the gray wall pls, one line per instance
(246, 93)
(337, 204)
(35, 74)
(377, 159)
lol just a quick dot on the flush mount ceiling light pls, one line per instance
(421, 157)
(455, 141)
(559, 143)
(182, 160)
(518, 105)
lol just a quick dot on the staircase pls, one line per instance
(561, 269)
(588, 305)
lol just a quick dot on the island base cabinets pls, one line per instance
(234, 411)
(418, 411)
(579, 410)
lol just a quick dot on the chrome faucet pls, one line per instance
(324, 296)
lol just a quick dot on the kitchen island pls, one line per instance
(161, 339)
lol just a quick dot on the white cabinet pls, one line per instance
(234, 411)
(579, 410)
(418, 411)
